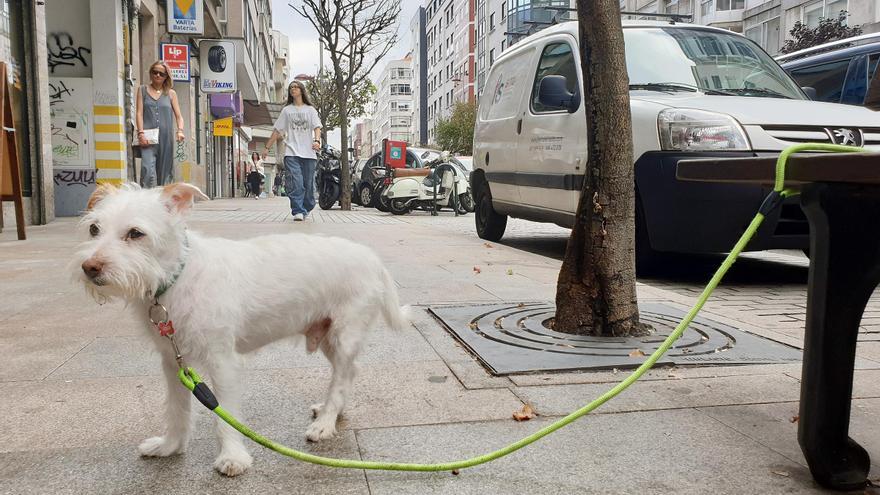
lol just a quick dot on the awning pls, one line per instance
(260, 113)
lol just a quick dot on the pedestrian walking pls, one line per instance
(255, 179)
(159, 122)
(300, 126)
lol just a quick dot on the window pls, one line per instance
(812, 13)
(503, 10)
(556, 59)
(491, 56)
(400, 89)
(730, 5)
(827, 79)
(492, 21)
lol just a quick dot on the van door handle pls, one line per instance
(519, 126)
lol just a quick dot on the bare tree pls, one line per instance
(596, 289)
(357, 35)
(322, 91)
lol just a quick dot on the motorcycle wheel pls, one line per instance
(382, 203)
(466, 201)
(329, 195)
(367, 196)
(399, 207)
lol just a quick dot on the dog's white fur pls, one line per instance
(232, 297)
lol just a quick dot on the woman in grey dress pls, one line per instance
(157, 108)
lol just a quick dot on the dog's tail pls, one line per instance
(396, 315)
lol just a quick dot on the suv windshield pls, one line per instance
(659, 59)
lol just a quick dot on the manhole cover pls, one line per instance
(512, 338)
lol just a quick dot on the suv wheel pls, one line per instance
(490, 224)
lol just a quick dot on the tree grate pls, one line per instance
(514, 338)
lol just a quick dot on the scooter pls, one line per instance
(444, 187)
(328, 178)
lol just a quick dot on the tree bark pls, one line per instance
(596, 289)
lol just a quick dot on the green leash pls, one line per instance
(193, 381)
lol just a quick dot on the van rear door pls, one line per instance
(552, 146)
(495, 136)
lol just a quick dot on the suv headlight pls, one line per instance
(697, 130)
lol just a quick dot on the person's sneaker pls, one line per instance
(298, 217)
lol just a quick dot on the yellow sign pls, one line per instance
(223, 127)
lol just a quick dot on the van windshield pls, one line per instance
(686, 59)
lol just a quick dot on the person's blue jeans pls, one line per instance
(300, 183)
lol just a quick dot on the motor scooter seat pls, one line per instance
(410, 172)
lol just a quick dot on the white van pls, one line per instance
(695, 91)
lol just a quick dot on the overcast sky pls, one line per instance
(304, 40)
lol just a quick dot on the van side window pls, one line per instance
(556, 59)
(872, 97)
(826, 78)
(856, 84)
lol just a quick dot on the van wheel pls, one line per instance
(490, 224)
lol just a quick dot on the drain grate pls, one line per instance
(513, 339)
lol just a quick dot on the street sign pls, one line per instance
(185, 16)
(176, 57)
(223, 127)
(395, 153)
(217, 66)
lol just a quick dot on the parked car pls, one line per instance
(843, 71)
(695, 92)
(373, 171)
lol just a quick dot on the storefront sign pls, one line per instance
(223, 127)
(217, 66)
(186, 16)
(176, 57)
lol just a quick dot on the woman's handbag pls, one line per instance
(151, 135)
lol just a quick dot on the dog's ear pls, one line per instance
(180, 196)
(102, 191)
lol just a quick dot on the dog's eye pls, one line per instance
(134, 234)
(94, 230)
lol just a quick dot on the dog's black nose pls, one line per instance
(92, 268)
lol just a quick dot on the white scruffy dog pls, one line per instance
(330, 290)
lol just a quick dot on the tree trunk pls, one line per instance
(345, 196)
(596, 289)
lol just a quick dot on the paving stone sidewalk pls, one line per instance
(81, 387)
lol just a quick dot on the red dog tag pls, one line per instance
(166, 328)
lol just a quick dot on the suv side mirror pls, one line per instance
(810, 92)
(553, 93)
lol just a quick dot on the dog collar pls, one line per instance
(164, 287)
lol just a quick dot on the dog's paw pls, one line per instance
(320, 430)
(233, 463)
(316, 409)
(159, 447)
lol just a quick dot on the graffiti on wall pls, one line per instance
(68, 178)
(63, 51)
(70, 100)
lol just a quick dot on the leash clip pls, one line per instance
(165, 327)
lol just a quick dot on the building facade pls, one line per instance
(450, 38)
(76, 66)
(418, 39)
(393, 104)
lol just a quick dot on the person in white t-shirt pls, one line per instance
(300, 126)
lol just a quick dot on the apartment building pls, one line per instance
(450, 36)
(419, 127)
(392, 111)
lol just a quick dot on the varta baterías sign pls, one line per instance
(217, 66)
(185, 16)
